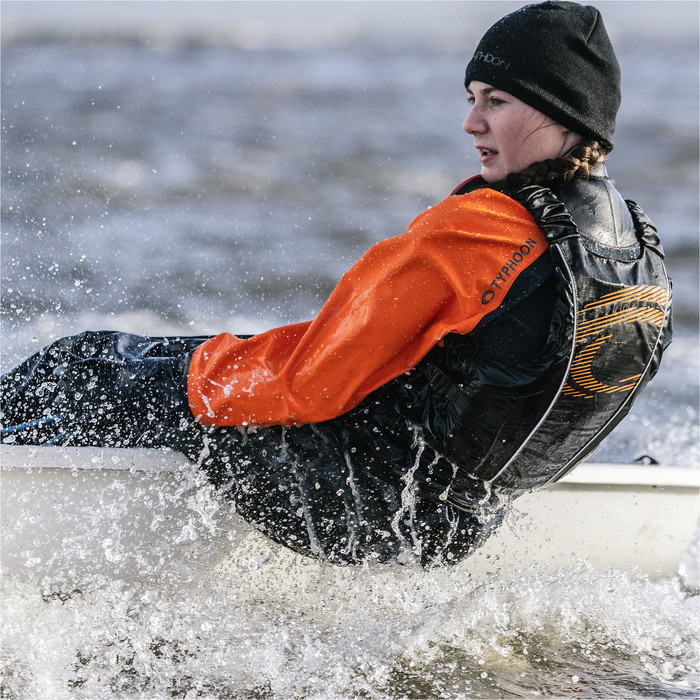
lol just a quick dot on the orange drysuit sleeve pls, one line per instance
(452, 266)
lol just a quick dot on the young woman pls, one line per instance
(484, 352)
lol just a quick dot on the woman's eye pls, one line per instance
(470, 99)
(496, 102)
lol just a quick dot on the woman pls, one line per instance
(484, 352)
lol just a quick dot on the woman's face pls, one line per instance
(509, 134)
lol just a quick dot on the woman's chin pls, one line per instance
(492, 172)
(488, 175)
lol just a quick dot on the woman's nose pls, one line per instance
(473, 123)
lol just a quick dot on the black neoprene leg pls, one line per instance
(99, 388)
(304, 487)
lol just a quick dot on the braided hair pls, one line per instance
(557, 172)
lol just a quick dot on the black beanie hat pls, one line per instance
(555, 57)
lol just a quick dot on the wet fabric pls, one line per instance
(617, 331)
(99, 388)
(455, 264)
(532, 422)
(305, 487)
(409, 472)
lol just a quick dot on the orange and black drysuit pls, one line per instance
(485, 351)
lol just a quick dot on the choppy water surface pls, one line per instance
(197, 605)
(181, 181)
(389, 635)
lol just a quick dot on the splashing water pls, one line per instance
(227, 614)
(368, 634)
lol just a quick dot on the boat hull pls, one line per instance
(70, 514)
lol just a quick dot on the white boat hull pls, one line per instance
(70, 514)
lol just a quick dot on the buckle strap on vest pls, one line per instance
(439, 381)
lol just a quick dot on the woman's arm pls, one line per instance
(453, 266)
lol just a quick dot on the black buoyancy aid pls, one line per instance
(509, 427)
(614, 333)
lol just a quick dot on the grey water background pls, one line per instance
(195, 167)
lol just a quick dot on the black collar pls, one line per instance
(598, 171)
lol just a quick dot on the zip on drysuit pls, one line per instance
(484, 352)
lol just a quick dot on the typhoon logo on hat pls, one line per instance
(493, 60)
